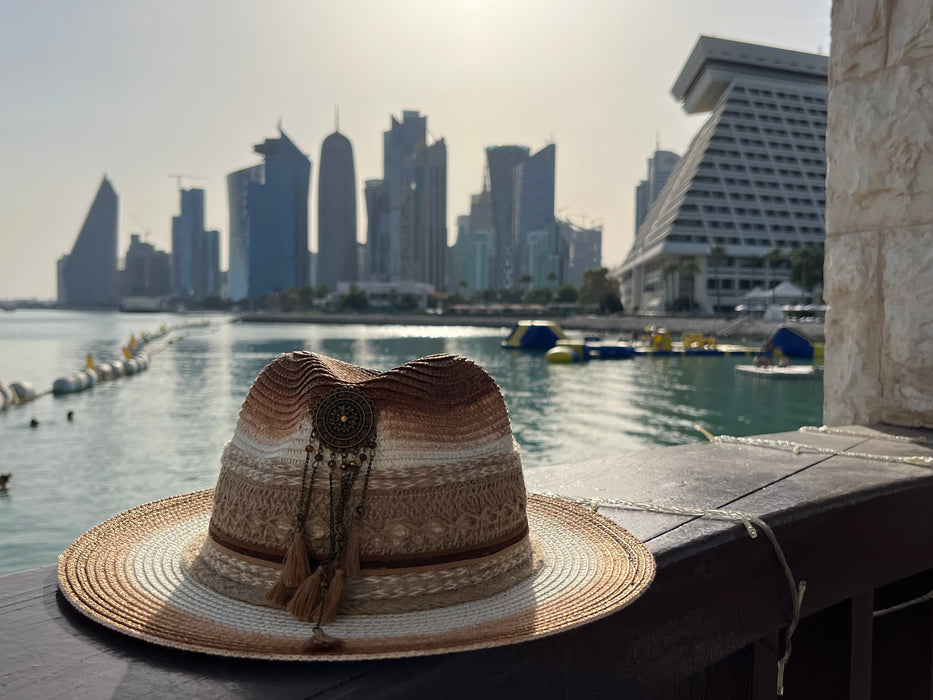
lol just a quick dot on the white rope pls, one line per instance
(799, 447)
(752, 524)
(907, 604)
(829, 430)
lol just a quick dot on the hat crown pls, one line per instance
(437, 486)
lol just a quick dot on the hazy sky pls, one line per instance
(141, 90)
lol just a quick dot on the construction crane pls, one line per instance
(179, 176)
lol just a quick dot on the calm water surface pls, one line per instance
(161, 432)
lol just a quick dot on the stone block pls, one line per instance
(879, 149)
(852, 391)
(910, 33)
(907, 294)
(852, 387)
(859, 39)
(870, 35)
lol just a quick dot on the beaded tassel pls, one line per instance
(332, 598)
(295, 569)
(320, 641)
(307, 599)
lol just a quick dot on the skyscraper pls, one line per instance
(581, 249)
(87, 274)
(536, 254)
(752, 179)
(147, 271)
(377, 230)
(211, 265)
(474, 237)
(187, 243)
(660, 167)
(424, 216)
(336, 213)
(407, 209)
(238, 203)
(274, 230)
(502, 161)
(399, 144)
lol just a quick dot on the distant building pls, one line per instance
(336, 213)
(454, 260)
(187, 243)
(384, 296)
(581, 249)
(399, 144)
(481, 211)
(147, 272)
(660, 167)
(238, 204)
(213, 279)
(273, 228)
(474, 252)
(502, 161)
(535, 229)
(751, 180)
(195, 252)
(87, 275)
(407, 209)
(424, 216)
(377, 230)
(474, 245)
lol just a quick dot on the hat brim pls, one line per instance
(128, 574)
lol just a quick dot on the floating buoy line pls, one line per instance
(136, 357)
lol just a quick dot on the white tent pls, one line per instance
(784, 293)
(758, 299)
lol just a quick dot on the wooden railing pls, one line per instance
(852, 510)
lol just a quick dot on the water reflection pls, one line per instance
(161, 432)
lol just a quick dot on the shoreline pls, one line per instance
(722, 328)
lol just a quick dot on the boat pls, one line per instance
(778, 372)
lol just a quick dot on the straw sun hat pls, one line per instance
(358, 515)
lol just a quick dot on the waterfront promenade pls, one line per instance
(732, 328)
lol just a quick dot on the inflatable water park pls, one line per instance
(549, 337)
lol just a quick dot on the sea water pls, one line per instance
(161, 432)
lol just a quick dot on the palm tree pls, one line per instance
(551, 278)
(667, 272)
(689, 268)
(526, 280)
(773, 258)
(716, 254)
(806, 264)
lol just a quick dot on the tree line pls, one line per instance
(598, 293)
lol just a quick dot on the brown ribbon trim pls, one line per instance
(403, 561)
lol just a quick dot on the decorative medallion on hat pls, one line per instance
(418, 540)
(345, 418)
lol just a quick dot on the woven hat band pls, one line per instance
(377, 591)
(424, 516)
(370, 566)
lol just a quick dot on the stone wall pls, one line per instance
(879, 214)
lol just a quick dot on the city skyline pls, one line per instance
(102, 92)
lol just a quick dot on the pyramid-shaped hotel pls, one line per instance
(752, 179)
